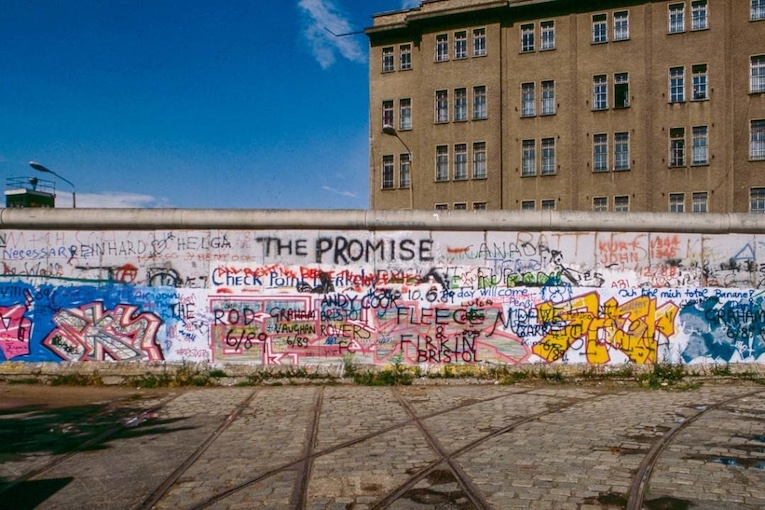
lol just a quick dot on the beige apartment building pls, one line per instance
(569, 105)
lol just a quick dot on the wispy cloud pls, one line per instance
(408, 4)
(321, 16)
(115, 200)
(340, 192)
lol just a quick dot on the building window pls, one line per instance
(621, 26)
(757, 200)
(387, 60)
(548, 35)
(460, 206)
(479, 102)
(528, 103)
(600, 204)
(528, 205)
(548, 156)
(757, 140)
(700, 82)
(460, 104)
(548, 205)
(699, 17)
(599, 92)
(527, 37)
(387, 172)
(479, 42)
(676, 84)
(405, 56)
(622, 204)
(460, 162)
(479, 206)
(405, 113)
(758, 10)
(405, 175)
(677, 202)
(479, 160)
(442, 47)
(621, 90)
(529, 158)
(599, 28)
(387, 113)
(676, 18)
(442, 163)
(622, 151)
(460, 45)
(700, 154)
(442, 207)
(677, 147)
(442, 106)
(600, 153)
(700, 202)
(758, 73)
(548, 97)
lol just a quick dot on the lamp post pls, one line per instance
(391, 131)
(40, 168)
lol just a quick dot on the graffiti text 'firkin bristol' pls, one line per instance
(420, 290)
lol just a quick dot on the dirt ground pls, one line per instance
(14, 396)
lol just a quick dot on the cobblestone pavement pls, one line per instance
(410, 447)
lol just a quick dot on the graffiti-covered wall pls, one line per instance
(271, 296)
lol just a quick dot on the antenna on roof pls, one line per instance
(343, 35)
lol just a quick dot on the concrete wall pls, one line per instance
(309, 287)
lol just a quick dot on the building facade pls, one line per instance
(569, 105)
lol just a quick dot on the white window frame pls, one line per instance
(677, 84)
(757, 74)
(700, 82)
(528, 158)
(621, 24)
(405, 170)
(387, 172)
(405, 57)
(621, 90)
(677, 155)
(442, 163)
(442, 47)
(528, 99)
(479, 42)
(757, 140)
(757, 200)
(622, 203)
(480, 107)
(460, 161)
(677, 202)
(599, 28)
(622, 151)
(479, 160)
(757, 11)
(527, 38)
(388, 59)
(600, 152)
(460, 104)
(700, 202)
(676, 18)
(699, 15)
(548, 156)
(600, 92)
(700, 145)
(460, 45)
(442, 106)
(528, 205)
(460, 206)
(547, 35)
(479, 206)
(547, 204)
(387, 113)
(548, 97)
(405, 113)
(600, 204)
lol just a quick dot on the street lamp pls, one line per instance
(40, 168)
(391, 131)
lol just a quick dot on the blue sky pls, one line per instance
(189, 103)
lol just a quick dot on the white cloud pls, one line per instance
(408, 4)
(115, 200)
(321, 16)
(339, 192)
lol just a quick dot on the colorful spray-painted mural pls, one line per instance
(308, 296)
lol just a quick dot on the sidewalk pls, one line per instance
(349, 447)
